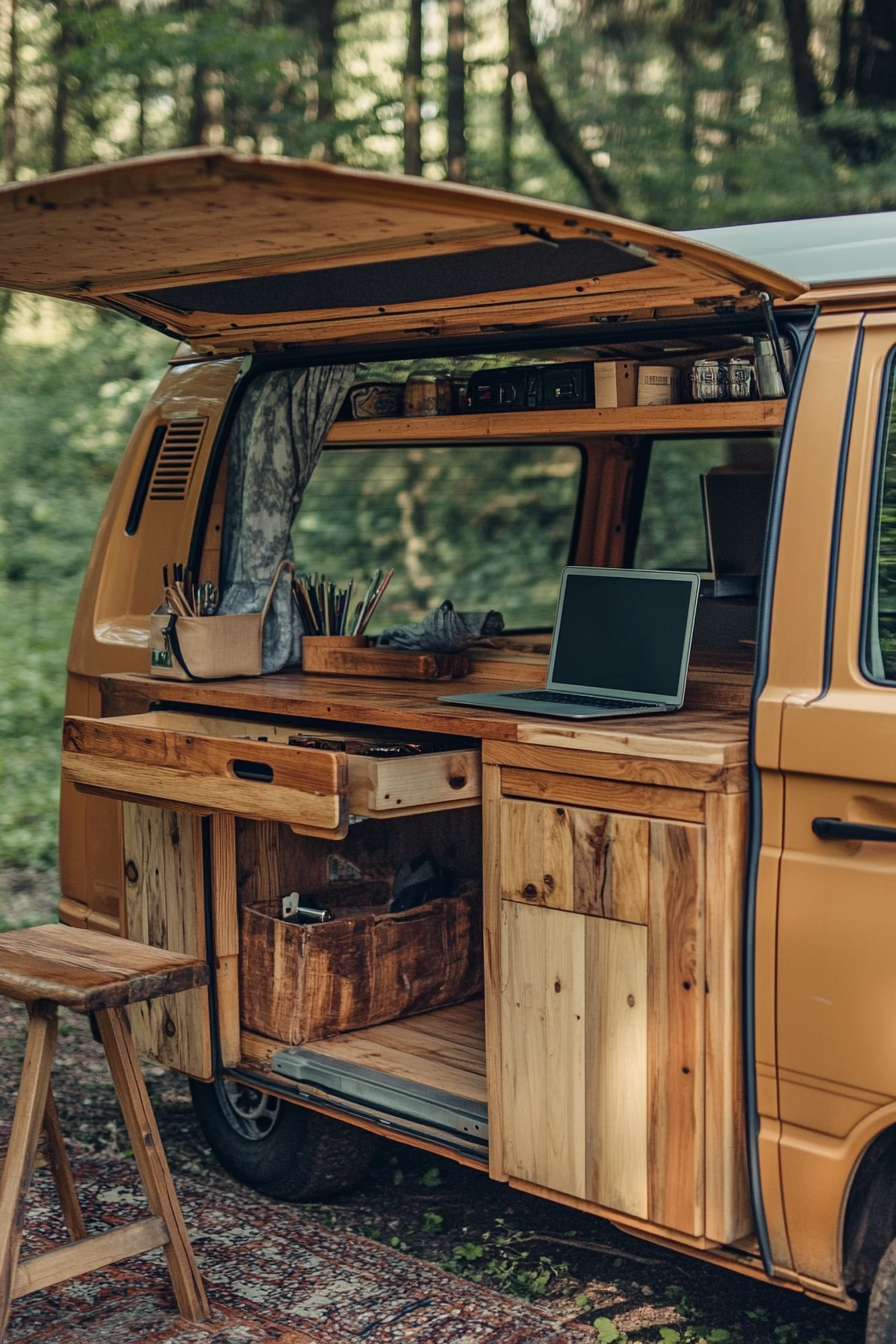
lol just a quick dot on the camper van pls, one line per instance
(644, 964)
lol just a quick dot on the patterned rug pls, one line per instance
(270, 1275)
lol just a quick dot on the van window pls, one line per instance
(485, 526)
(672, 534)
(880, 601)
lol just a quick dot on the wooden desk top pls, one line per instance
(710, 737)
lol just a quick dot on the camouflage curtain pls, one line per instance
(277, 439)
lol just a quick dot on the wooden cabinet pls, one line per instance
(616, 939)
(606, 1013)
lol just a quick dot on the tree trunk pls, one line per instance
(325, 13)
(875, 79)
(806, 87)
(846, 69)
(10, 103)
(413, 75)
(601, 190)
(507, 122)
(65, 40)
(199, 115)
(457, 125)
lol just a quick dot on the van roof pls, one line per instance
(237, 252)
(835, 250)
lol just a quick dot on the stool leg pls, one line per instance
(23, 1139)
(151, 1161)
(62, 1172)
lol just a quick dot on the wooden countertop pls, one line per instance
(710, 737)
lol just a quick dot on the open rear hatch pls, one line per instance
(236, 253)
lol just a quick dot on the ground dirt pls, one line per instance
(580, 1268)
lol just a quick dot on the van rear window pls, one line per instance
(880, 598)
(485, 526)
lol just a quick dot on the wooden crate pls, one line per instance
(302, 982)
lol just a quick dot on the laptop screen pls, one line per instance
(623, 631)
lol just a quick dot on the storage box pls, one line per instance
(302, 982)
(615, 382)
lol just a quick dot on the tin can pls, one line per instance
(657, 385)
(740, 379)
(421, 394)
(709, 380)
(372, 401)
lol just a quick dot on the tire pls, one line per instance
(881, 1325)
(279, 1149)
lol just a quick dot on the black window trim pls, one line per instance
(881, 436)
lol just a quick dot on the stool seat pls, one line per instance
(52, 966)
(86, 971)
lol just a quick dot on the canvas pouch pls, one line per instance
(209, 648)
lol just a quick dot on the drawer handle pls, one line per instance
(256, 772)
(832, 828)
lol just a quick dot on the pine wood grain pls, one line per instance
(151, 1162)
(728, 1212)
(492, 977)
(26, 1126)
(543, 1046)
(60, 1168)
(318, 655)
(85, 970)
(676, 1026)
(537, 854)
(377, 786)
(616, 1065)
(542, 427)
(165, 900)
(226, 933)
(104, 1248)
(613, 795)
(435, 1068)
(308, 787)
(691, 775)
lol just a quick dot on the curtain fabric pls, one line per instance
(276, 443)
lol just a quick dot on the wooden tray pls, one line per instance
(352, 656)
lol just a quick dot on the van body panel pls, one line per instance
(837, 918)
(278, 250)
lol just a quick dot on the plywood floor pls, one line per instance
(443, 1049)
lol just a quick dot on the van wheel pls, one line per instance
(276, 1147)
(881, 1325)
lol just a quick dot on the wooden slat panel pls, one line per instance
(728, 1212)
(537, 854)
(225, 923)
(641, 799)
(610, 865)
(166, 908)
(383, 786)
(543, 1029)
(86, 970)
(616, 1063)
(358, 1047)
(492, 976)
(308, 787)
(629, 769)
(676, 1025)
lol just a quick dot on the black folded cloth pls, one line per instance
(443, 631)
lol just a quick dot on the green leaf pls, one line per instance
(717, 1337)
(668, 1335)
(606, 1330)
(431, 1178)
(582, 1301)
(432, 1222)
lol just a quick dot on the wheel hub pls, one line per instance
(250, 1113)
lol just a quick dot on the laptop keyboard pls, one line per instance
(562, 698)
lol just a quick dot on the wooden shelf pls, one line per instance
(727, 417)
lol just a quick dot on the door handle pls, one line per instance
(832, 828)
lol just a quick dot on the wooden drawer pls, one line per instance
(204, 763)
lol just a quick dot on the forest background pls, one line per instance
(685, 113)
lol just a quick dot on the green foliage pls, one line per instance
(497, 1258)
(73, 385)
(605, 1331)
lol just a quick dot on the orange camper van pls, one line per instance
(643, 966)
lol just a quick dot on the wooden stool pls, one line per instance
(51, 966)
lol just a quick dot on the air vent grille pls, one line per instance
(174, 465)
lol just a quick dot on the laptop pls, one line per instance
(622, 640)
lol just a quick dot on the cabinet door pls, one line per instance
(602, 1029)
(575, 858)
(165, 907)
